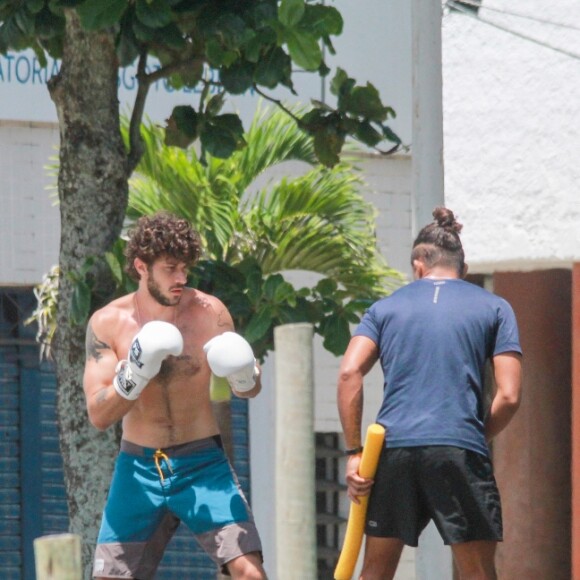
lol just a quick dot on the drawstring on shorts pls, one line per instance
(158, 456)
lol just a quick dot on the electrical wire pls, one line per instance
(457, 6)
(478, 4)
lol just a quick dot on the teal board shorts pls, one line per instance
(152, 490)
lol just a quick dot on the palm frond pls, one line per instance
(273, 138)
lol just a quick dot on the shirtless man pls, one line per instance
(150, 355)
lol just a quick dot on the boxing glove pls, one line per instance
(149, 348)
(230, 355)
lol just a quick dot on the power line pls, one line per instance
(457, 6)
(478, 4)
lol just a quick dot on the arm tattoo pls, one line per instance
(94, 346)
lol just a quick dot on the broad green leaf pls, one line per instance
(222, 135)
(271, 285)
(327, 145)
(340, 78)
(115, 266)
(336, 335)
(25, 21)
(391, 135)
(36, 6)
(215, 104)
(285, 293)
(364, 102)
(322, 20)
(182, 127)
(101, 14)
(304, 49)
(127, 48)
(273, 68)
(153, 13)
(217, 55)
(366, 133)
(259, 324)
(81, 302)
(291, 12)
(64, 3)
(326, 287)
(254, 285)
(237, 78)
(49, 27)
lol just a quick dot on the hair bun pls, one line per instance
(446, 219)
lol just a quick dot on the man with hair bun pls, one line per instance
(433, 338)
(149, 359)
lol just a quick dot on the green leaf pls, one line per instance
(285, 292)
(328, 143)
(290, 12)
(341, 83)
(49, 27)
(336, 334)
(274, 68)
(326, 287)
(368, 134)
(66, 3)
(391, 135)
(259, 324)
(271, 284)
(217, 55)
(35, 6)
(215, 104)
(364, 102)
(127, 48)
(237, 78)
(81, 302)
(182, 127)
(222, 135)
(254, 285)
(115, 266)
(322, 20)
(154, 13)
(25, 21)
(101, 14)
(304, 49)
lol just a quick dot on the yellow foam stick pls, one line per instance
(356, 518)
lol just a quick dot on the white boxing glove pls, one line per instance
(230, 355)
(150, 347)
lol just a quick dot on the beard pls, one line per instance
(157, 293)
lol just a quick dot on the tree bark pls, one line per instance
(93, 191)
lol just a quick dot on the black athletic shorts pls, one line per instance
(454, 487)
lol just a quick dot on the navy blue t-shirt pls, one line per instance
(434, 337)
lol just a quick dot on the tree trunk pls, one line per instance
(93, 193)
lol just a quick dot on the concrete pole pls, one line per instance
(58, 557)
(295, 447)
(427, 144)
(434, 560)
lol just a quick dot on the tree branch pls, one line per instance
(135, 140)
(278, 103)
(144, 82)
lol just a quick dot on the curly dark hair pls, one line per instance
(161, 234)
(438, 243)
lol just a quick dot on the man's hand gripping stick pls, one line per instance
(356, 518)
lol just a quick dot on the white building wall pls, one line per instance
(29, 218)
(512, 133)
